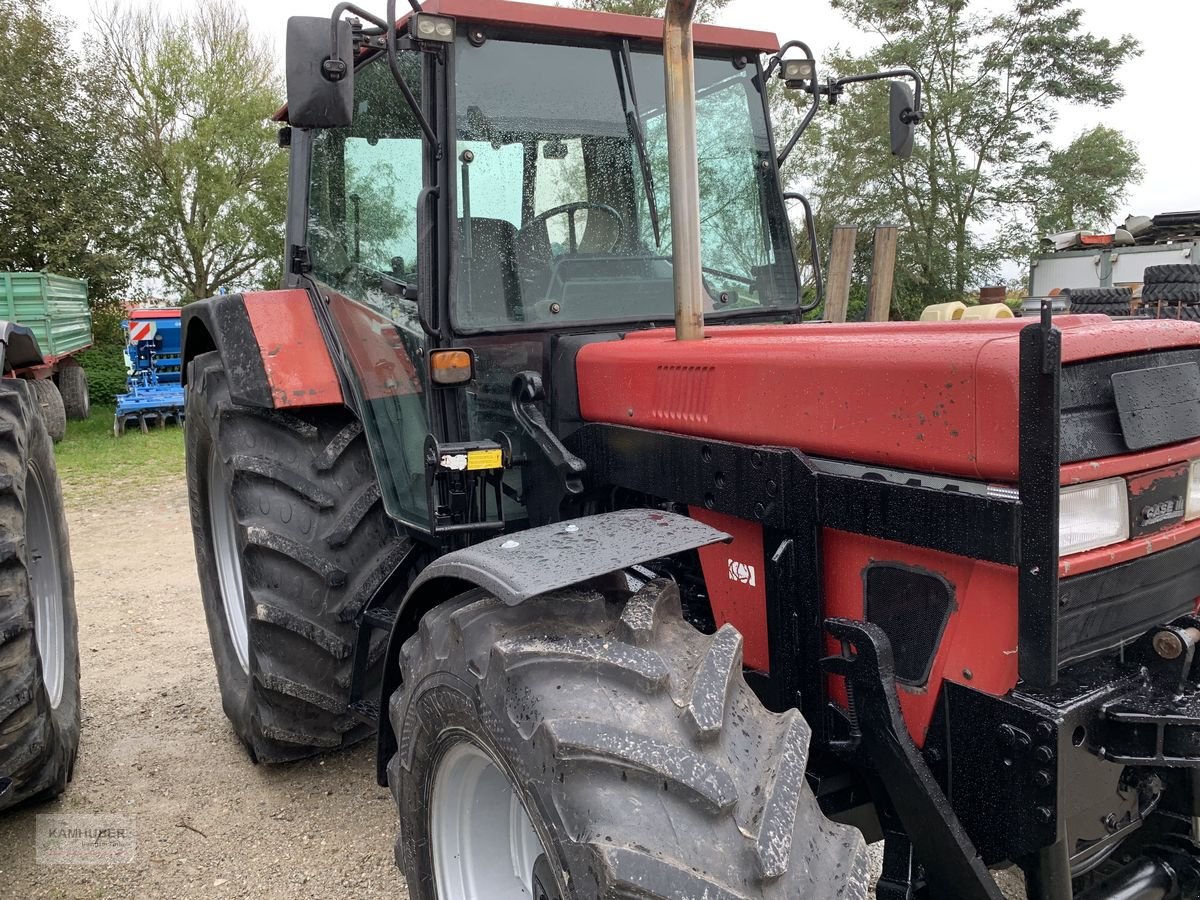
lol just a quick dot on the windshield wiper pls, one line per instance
(633, 118)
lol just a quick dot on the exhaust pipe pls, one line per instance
(684, 168)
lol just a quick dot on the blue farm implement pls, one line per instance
(153, 359)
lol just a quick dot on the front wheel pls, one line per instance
(584, 745)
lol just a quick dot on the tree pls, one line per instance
(705, 9)
(64, 188)
(983, 165)
(1085, 182)
(199, 92)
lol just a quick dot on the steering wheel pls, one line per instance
(569, 210)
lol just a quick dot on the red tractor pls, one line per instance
(693, 612)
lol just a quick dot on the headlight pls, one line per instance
(1094, 515)
(1193, 496)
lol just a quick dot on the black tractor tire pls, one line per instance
(1081, 299)
(289, 503)
(73, 385)
(39, 693)
(645, 763)
(54, 413)
(1183, 273)
(1171, 293)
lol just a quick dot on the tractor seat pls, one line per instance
(495, 289)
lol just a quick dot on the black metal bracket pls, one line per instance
(527, 392)
(1039, 474)
(878, 736)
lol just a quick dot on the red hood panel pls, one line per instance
(931, 397)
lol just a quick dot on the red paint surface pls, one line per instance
(1091, 560)
(1100, 469)
(377, 354)
(735, 602)
(936, 397)
(981, 636)
(296, 360)
(579, 21)
(138, 315)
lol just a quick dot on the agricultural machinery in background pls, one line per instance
(55, 311)
(153, 359)
(690, 612)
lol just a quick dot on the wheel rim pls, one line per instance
(484, 844)
(229, 564)
(45, 583)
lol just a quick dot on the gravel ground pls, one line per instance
(158, 751)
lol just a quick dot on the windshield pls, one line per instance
(563, 173)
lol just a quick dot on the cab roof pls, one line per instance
(596, 24)
(536, 18)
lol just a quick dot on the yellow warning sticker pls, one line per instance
(478, 460)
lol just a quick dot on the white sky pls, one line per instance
(1157, 111)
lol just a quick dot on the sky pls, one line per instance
(1156, 113)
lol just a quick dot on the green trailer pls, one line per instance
(55, 311)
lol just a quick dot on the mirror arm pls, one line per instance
(915, 117)
(775, 63)
(814, 251)
(335, 67)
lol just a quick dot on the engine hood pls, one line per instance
(929, 397)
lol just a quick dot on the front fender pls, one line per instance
(271, 343)
(526, 564)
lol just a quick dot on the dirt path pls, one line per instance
(158, 751)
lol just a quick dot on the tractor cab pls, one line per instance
(489, 176)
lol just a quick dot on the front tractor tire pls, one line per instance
(591, 745)
(39, 644)
(291, 542)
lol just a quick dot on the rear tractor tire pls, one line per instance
(39, 644)
(54, 412)
(73, 385)
(584, 746)
(291, 542)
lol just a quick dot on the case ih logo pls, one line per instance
(741, 573)
(1160, 512)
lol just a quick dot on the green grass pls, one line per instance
(91, 460)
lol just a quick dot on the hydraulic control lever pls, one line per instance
(527, 392)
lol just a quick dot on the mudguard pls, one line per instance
(272, 345)
(525, 564)
(18, 347)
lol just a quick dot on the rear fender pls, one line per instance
(275, 352)
(526, 564)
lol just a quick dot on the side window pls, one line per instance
(364, 187)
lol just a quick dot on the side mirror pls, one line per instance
(903, 120)
(320, 88)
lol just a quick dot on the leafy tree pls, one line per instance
(64, 187)
(1085, 182)
(199, 92)
(705, 9)
(984, 167)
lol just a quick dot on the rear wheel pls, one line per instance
(54, 413)
(291, 541)
(585, 746)
(39, 647)
(73, 385)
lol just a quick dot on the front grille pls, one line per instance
(1091, 423)
(1109, 608)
